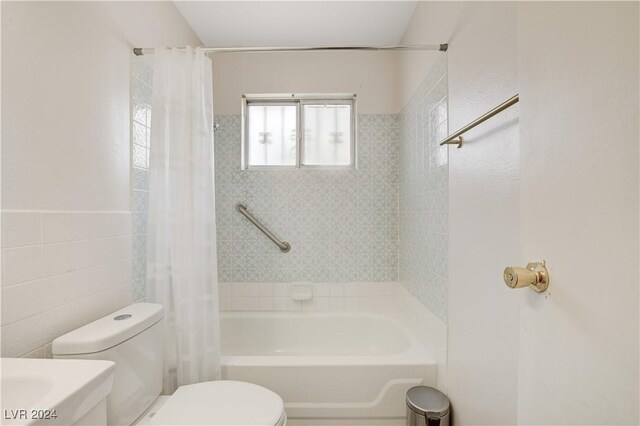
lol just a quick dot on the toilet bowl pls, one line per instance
(133, 338)
(222, 402)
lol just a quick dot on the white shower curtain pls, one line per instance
(181, 256)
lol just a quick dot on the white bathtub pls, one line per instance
(327, 365)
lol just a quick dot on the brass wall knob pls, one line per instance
(534, 275)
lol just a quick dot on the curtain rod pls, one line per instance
(139, 51)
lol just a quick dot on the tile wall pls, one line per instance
(60, 270)
(423, 250)
(342, 224)
(267, 296)
(141, 92)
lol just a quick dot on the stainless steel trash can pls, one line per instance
(427, 407)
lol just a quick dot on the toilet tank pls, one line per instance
(132, 338)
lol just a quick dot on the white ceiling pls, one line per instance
(300, 23)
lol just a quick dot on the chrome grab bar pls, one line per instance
(283, 245)
(456, 138)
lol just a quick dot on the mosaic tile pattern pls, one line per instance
(342, 224)
(423, 255)
(141, 84)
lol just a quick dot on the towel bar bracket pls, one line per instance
(457, 141)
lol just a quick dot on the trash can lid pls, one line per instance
(428, 401)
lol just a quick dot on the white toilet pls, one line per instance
(133, 339)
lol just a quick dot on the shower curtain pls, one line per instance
(181, 255)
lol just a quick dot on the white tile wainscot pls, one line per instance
(60, 270)
(242, 296)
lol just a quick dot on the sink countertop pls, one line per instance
(33, 388)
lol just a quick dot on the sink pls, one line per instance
(24, 390)
(54, 391)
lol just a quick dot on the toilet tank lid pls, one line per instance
(109, 331)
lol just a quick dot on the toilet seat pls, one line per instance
(223, 402)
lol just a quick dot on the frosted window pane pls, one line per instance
(271, 132)
(140, 156)
(140, 134)
(327, 135)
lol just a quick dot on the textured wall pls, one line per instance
(424, 191)
(64, 130)
(372, 75)
(578, 346)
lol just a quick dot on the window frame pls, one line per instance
(299, 100)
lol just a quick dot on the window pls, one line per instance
(271, 131)
(293, 131)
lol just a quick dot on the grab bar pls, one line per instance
(456, 138)
(283, 245)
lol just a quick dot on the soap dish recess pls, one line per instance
(301, 291)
